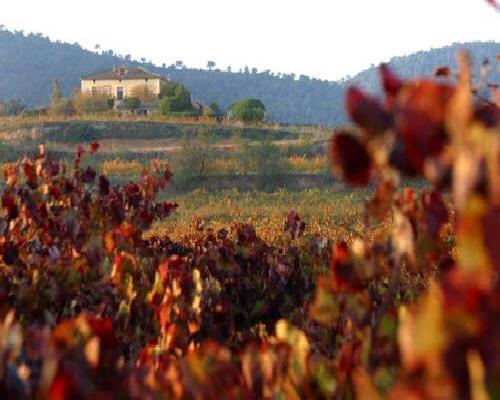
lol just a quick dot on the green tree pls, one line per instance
(265, 160)
(58, 104)
(180, 101)
(210, 65)
(213, 111)
(194, 156)
(110, 104)
(132, 103)
(168, 89)
(56, 93)
(247, 110)
(183, 98)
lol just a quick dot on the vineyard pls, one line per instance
(203, 155)
(113, 291)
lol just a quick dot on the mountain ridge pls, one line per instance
(442, 56)
(29, 63)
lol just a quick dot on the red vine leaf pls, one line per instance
(350, 159)
(367, 112)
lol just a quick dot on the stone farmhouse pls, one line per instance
(122, 82)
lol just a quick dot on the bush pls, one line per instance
(110, 103)
(65, 107)
(213, 111)
(132, 103)
(168, 89)
(192, 160)
(264, 159)
(89, 104)
(247, 110)
(179, 101)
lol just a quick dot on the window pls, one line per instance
(119, 93)
(102, 91)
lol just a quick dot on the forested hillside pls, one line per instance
(29, 63)
(425, 62)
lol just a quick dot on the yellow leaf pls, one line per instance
(421, 332)
(476, 373)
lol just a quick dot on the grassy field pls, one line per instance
(329, 212)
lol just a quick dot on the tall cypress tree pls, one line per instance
(56, 93)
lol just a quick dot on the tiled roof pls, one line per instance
(122, 73)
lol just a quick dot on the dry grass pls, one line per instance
(327, 212)
(122, 168)
(302, 164)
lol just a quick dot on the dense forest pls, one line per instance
(30, 62)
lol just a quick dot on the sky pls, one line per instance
(326, 39)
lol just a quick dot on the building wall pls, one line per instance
(109, 87)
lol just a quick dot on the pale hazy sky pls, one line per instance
(323, 38)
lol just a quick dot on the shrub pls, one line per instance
(213, 111)
(89, 104)
(180, 101)
(247, 110)
(168, 89)
(265, 160)
(132, 103)
(65, 107)
(193, 158)
(110, 103)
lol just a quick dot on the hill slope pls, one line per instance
(424, 63)
(29, 63)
